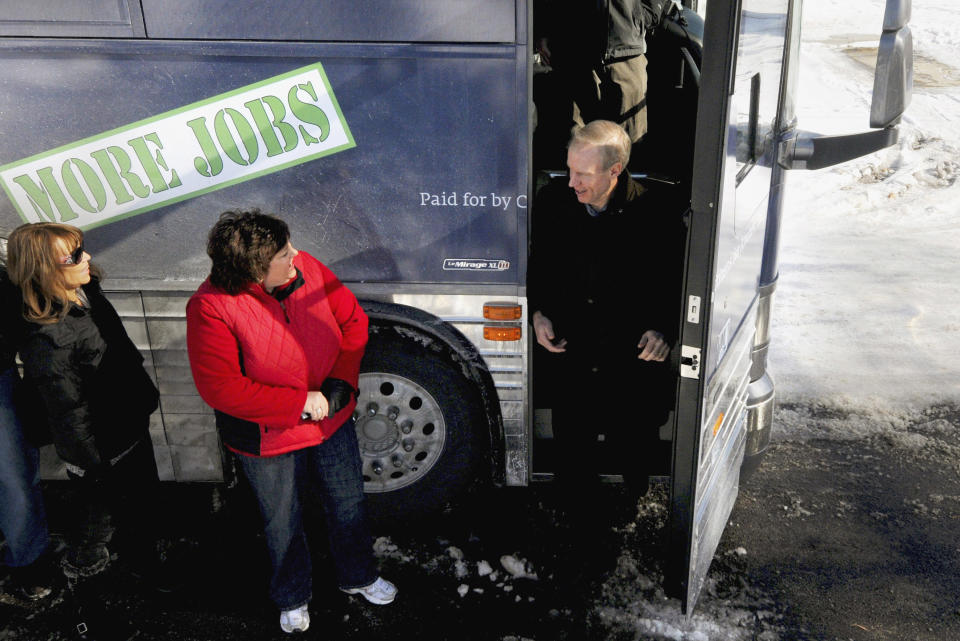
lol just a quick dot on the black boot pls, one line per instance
(90, 618)
(35, 581)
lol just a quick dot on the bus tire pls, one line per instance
(420, 426)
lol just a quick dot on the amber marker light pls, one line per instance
(496, 333)
(716, 426)
(502, 311)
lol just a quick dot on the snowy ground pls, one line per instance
(865, 315)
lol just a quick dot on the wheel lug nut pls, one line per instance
(408, 445)
(407, 426)
(397, 460)
(393, 412)
(372, 409)
(377, 467)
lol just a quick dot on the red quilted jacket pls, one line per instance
(254, 358)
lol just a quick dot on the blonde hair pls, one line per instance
(33, 264)
(609, 137)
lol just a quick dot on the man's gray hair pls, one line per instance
(613, 141)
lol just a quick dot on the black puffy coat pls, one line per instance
(11, 332)
(90, 378)
(9, 321)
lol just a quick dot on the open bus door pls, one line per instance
(730, 189)
(746, 140)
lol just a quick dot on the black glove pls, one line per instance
(339, 394)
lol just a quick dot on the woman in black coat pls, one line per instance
(97, 399)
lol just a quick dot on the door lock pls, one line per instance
(689, 361)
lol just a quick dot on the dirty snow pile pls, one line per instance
(632, 599)
(865, 315)
(475, 576)
(630, 603)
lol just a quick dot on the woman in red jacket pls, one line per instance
(275, 344)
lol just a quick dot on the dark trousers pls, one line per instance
(627, 404)
(123, 501)
(333, 471)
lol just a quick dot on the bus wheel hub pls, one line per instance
(400, 430)
(377, 434)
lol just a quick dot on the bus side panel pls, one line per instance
(421, 189)
(357, 21)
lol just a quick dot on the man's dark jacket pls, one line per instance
(90, 379)
(603, 281)
(591, 33)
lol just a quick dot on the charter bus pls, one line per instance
(395, 138)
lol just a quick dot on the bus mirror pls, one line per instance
(892, 86)
(893, 82)
(896, 15)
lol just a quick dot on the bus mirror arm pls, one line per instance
(892, 89)
(817, 152)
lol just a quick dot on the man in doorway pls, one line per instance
(604, 287)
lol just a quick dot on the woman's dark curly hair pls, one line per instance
(241, 246)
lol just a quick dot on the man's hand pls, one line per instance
(652, 346)
(316, 407)
(543, 328)
(543, 48)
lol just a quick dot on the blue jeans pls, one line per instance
(23, 518)
(333, 472)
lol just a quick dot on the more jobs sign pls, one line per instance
(255, 130)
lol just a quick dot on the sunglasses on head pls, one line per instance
(74, 258)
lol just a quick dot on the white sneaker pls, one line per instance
(296, 620)
(380, 592)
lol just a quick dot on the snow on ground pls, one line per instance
(865, 319)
